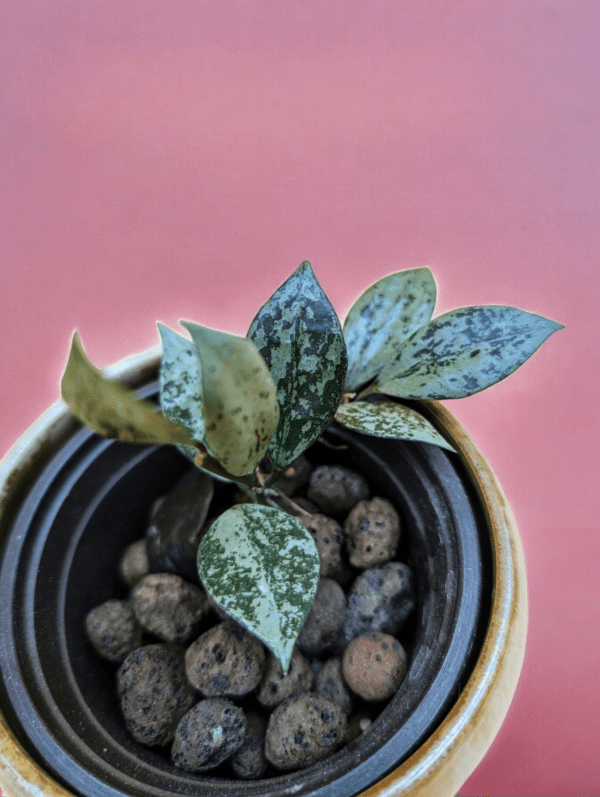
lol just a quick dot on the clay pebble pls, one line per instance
(169, 607)
(330, 683)
(275, 687)
(249, 762)
(113, 630)
(372, 531)
(304, 729)
(324, 620)
(208, 735)
(374, 665)
(328, 537)
(225, 660)
(381, 598)
(154, 693)
(336, 489)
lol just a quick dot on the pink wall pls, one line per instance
(178, 160)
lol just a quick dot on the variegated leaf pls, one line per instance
(261, 566)
(299, 335)
(464, 351)
(389, 419)
(381, 320)
(239, 399)
(181, 385)
(110, 408)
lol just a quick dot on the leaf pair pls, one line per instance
(395, 349)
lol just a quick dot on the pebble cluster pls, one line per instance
(193, 679)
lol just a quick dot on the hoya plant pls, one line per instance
(244, 408)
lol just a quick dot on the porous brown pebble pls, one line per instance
(324, 620)
(275, 687)
(154, 693)
(330, 684)
(249, 761)
(225, 660)
(113, 630)
(336, 489)
(304, 729)
(134, 565)
(372, 531)
(328, 537)
(374, 665)
(169, 607)
(208, 735)
(380, 599)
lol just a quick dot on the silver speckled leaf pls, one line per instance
(381, 320)
(299, 335)
(464, 351)
(110, 408)
(262, 567)
(389, 419)
(239, 398)
(181, 385)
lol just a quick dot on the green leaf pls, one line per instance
(389, 419)
(382, 318)
(464, 351)
(239, 399)
(111, 409)
(181, 385)
(299, 335)
(262, 567)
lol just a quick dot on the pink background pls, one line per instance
(167, 160)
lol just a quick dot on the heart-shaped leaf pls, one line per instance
(389, 419)
(464, 351)
(262, 567)
(382, 318)
(239, 398)
(299, 335)
(111, 409)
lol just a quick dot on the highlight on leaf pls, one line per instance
(113, 410)
(382, 318)
(239, 398)
(464, 351)
(389, 419)
(261, 566)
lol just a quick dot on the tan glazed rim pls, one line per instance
(453, 751)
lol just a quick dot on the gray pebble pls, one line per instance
(380, 599)
(134, 565)
(249, 761)
(275, 687)
(225, 660)
(208, 735)
(372, 531)
(328, 537)
(169, 607)
(113, 630)
(304, 729)
(330, 683)
(324, 619)
(336, 489)
(154, 693)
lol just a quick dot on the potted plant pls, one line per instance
(243, 410)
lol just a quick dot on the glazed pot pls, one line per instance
(72, 501)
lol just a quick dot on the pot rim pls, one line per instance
(452, 752)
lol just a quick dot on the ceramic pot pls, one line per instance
(71, 501)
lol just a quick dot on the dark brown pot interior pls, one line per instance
(60, 560)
